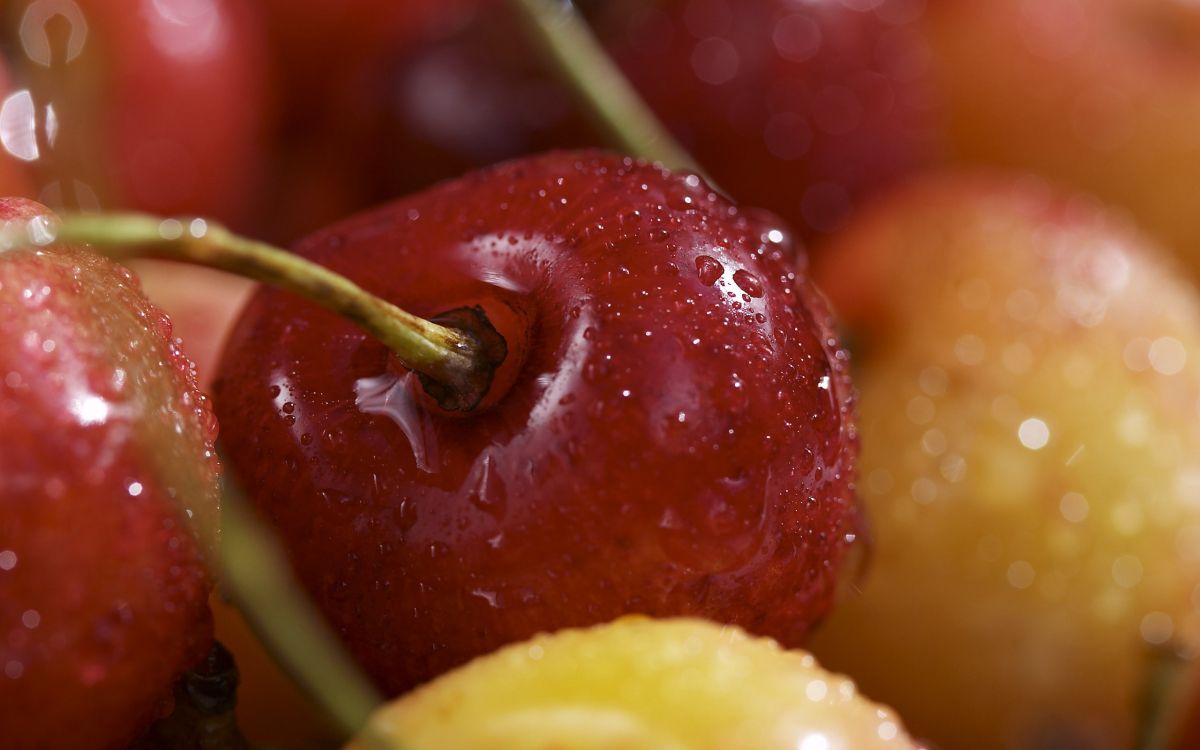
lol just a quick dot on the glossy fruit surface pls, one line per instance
(671, 432)
(202, 304)
(1030, 401)
(107, 480)
(1102, 95)
(642, 684)
(158, 105)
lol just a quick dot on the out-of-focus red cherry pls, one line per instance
(805, 109)
(670, 433)
(108, 487)
(158, 105)
(14, 173)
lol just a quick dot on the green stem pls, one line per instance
(448, 356)
(563, 33)
(256, 574)
(423, 346)
(1159, 704)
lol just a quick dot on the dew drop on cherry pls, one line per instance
(748, 283)
(710, 269)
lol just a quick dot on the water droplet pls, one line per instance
(391, 396)
(748, 283)
(709, 269)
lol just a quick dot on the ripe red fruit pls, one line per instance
(105, 457)
(670, 433)
(805, 109)
(158, 105)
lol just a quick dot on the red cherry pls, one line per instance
(806, 109)
(159, 105)
(670, 433)
(105, 457)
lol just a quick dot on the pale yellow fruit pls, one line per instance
(640, 684)
(1030, 422)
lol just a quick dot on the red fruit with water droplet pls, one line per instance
(658, 440)
(107, 483)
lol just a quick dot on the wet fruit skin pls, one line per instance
(1030, 421)
(641, 684)
(676, 439)
(105, 453)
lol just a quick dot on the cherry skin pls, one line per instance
(105, 455)
(671, 432)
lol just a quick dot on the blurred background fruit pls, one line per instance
(1030, 417)
(1102, 95)
(805, 109)
(156, 105)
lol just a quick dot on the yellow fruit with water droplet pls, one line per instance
(640, 684)
(1030, 424)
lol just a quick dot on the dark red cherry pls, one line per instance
(804, 108)
(671, 432)
(107, 484)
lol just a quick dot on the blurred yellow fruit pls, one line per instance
(1030, 421)
(640, 684)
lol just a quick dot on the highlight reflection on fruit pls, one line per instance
(157, 105)
(108, 493)
(670, 433)
(1103, 95)
(1030, 418)
(641, 684)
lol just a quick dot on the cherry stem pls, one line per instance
(1160, 707)
(565, 36)
(256, 574)
(449, 356)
